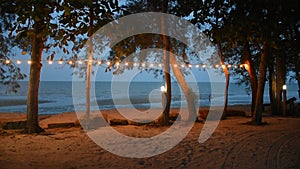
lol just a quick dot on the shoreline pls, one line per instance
(243, 107)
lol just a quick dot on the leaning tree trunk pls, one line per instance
(252, 75)
(164, 119)
(32, 125)
(188, 93)
(227, 76)
(257, 115)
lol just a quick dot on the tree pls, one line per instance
(31, 24)
(164, 119)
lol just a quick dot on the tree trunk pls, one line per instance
(32, 125)
(89, 72)
(227, 75)
(189, 95)
(164, 119)
(280, 81)
(272, 88)
(252, 75)
(257, 115)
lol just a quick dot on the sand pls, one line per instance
(232, 145)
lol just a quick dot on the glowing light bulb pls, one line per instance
(126, 63)
(19, 62)
(60, 62)
(204, 66)
(7, 61)
(151, 65)
(50, 62)
(197, 66)
(29, 62)
(175, 65)
(108, 63)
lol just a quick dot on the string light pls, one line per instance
(80, 62)
(143, 64)
(7, 61)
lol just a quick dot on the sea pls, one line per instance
(56, 97)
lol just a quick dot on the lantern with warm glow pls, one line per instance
(284, 100)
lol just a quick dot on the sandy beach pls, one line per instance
(232, 145)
